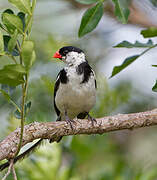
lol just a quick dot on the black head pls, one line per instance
(65, 50)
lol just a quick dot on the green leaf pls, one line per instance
(154, 88)
(9, 11)
(15, 51)
(150, 32)
(126, 63)
(16, 68)
(2, 54)
(33, 5)
(28, 53)
(137, 44)
(12, 41)
(27, 107)
(87, 1)
(121, 10)
(21, 15)
(90, 19)
(154, 65)
(33, 58)
(29, 22)
(1, 26)
(22, 5)
(1, 43)
(8, 89)
(12, 22)
(154, 2)
(6, 95)
(8, 98)
(12, 75)
(17, 114)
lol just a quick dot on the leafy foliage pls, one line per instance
(137, 44)
(28, 53)
(12, 22)
(15, 51)
(12, 75)
(12, 41)
(22, 5)
(12, 45)
(125, 44)
(94, 14)
(8, 98)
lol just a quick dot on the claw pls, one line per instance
(69, 121)
(92, 119)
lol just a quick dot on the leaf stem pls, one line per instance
(33, 5)
(14, 59)
(25, 85)
(24, 93)
(155, 45)
(8, 98)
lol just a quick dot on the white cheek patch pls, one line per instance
(75, 58)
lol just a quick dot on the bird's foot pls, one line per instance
(69, 121)
(92, 119)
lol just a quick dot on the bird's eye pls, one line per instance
(66, 51)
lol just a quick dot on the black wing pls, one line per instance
(95, 84)
(57, 83)
(85, 69)
(61, 78)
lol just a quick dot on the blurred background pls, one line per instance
(122, 155)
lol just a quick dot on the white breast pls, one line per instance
(76, 97)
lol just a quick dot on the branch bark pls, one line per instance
(48, 130)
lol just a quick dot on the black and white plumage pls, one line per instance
(75, 87)
(74, 92)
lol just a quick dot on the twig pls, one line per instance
(9, 170)
(14, 173)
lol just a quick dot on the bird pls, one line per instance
(75, 86)
(74, 92)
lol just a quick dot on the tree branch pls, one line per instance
(48, 130)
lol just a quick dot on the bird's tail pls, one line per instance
(59, 139)
(21, 156)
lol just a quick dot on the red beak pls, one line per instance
(57, 55)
